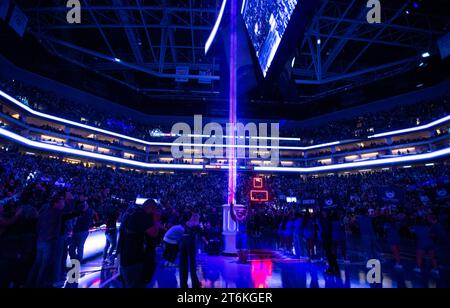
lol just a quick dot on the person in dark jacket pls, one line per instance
(50, 221)
(81, 230)
(111, 215)
(137, 244)
(188, 251)
(326, 225)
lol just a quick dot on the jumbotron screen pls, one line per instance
(266, 22)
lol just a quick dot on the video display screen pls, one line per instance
(266, 22)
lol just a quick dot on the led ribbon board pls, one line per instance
(110, 133)
(215, 29)
(81, 153)
(412, 129)
(416, 158)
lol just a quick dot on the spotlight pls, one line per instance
(426, 55)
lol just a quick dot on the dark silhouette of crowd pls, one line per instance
(48, 208)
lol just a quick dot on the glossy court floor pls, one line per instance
(273, 269)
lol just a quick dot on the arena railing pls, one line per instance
(415, 158)
(73, 141)
(140, 141)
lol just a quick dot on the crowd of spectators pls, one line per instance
(47, 206)
(29, 184)
(360, 127)
(52, 103)
(400, 117)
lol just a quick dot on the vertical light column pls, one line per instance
(232, 174)
(229, 226)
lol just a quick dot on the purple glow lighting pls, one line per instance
(232, 173)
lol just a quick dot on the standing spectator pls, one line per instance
(64, 239)
(392, 229)
(298, 236)
(338, 236)
(111, 215)
(49, 226)
(6, 222)
(309, 234)
(289, 233)
(326, 226)
(172, 240)
(133, 245)
(188, 251)
(368, 237)
(81, 230)
(424, 244)
(7, 252)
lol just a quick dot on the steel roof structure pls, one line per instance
(144, 43)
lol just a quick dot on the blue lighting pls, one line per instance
(318, 146)
(215, 29)
(364, 164)
(412, 129)
(81, 153)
